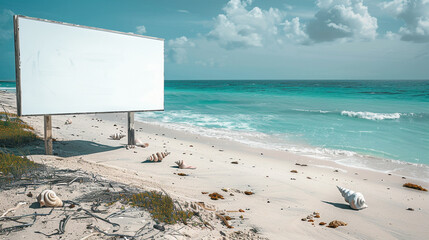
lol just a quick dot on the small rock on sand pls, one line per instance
(336, 223)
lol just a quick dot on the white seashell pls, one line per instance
(182, 165)
(139, 143)
(157, 157)
(355, 199)
(68, 121)
(117, 136)
(48, 198)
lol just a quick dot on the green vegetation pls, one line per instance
(161, 207)
(14, 132)
(14, 167)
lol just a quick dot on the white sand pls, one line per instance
(279, 202)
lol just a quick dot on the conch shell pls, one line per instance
(68, 121)
(117, 136)
(157, 157)
(182, 165)
(355, 199)
(48, 198)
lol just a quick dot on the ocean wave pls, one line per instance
(8, 89)
(372, 115)
(230, 122)
(367, 115)
(322, 151)
(313, 111)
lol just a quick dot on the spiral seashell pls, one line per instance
(355, 199)
(68, 121)
(181, 165)
(117, 136)
(157, 157)
(48, 198)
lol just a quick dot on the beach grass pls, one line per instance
(14, 132)
(14, 167)
(161, 207)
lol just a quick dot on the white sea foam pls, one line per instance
(307, 110)
(371, 115)
(8, 89)
(322, 151)
(230, 122)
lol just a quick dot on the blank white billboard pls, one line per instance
(67, 69)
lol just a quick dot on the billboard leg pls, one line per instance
(48, 134)
(131, 137)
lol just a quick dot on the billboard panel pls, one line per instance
(68, 69)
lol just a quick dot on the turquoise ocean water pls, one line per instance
(382, 125)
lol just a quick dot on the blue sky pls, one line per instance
(278, 39)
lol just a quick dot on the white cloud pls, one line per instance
(141, 29)
(392, 36)
(415, 13)
(238, 27)
(6, 24)
(295, 31)
(177, 49)
(183, 11)
(342, 19)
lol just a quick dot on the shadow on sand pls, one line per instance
(149, 161)
(63, 148)
(339, 205)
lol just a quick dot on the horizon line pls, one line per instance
(278, 80)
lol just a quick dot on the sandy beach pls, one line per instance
(282, 197)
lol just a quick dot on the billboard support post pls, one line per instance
(48, 134)
(131, 137)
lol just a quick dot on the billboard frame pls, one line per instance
(18, 65)
(48, 117)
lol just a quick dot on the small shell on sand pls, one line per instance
(68, 122)
(157, 157)
(117, 136)
(48, 198)
(139, 143)
(181, 165)
(128, 147)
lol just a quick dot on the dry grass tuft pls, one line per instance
(13, 131)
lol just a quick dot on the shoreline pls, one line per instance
(264, 141)
(338, 156)
(282, 198)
